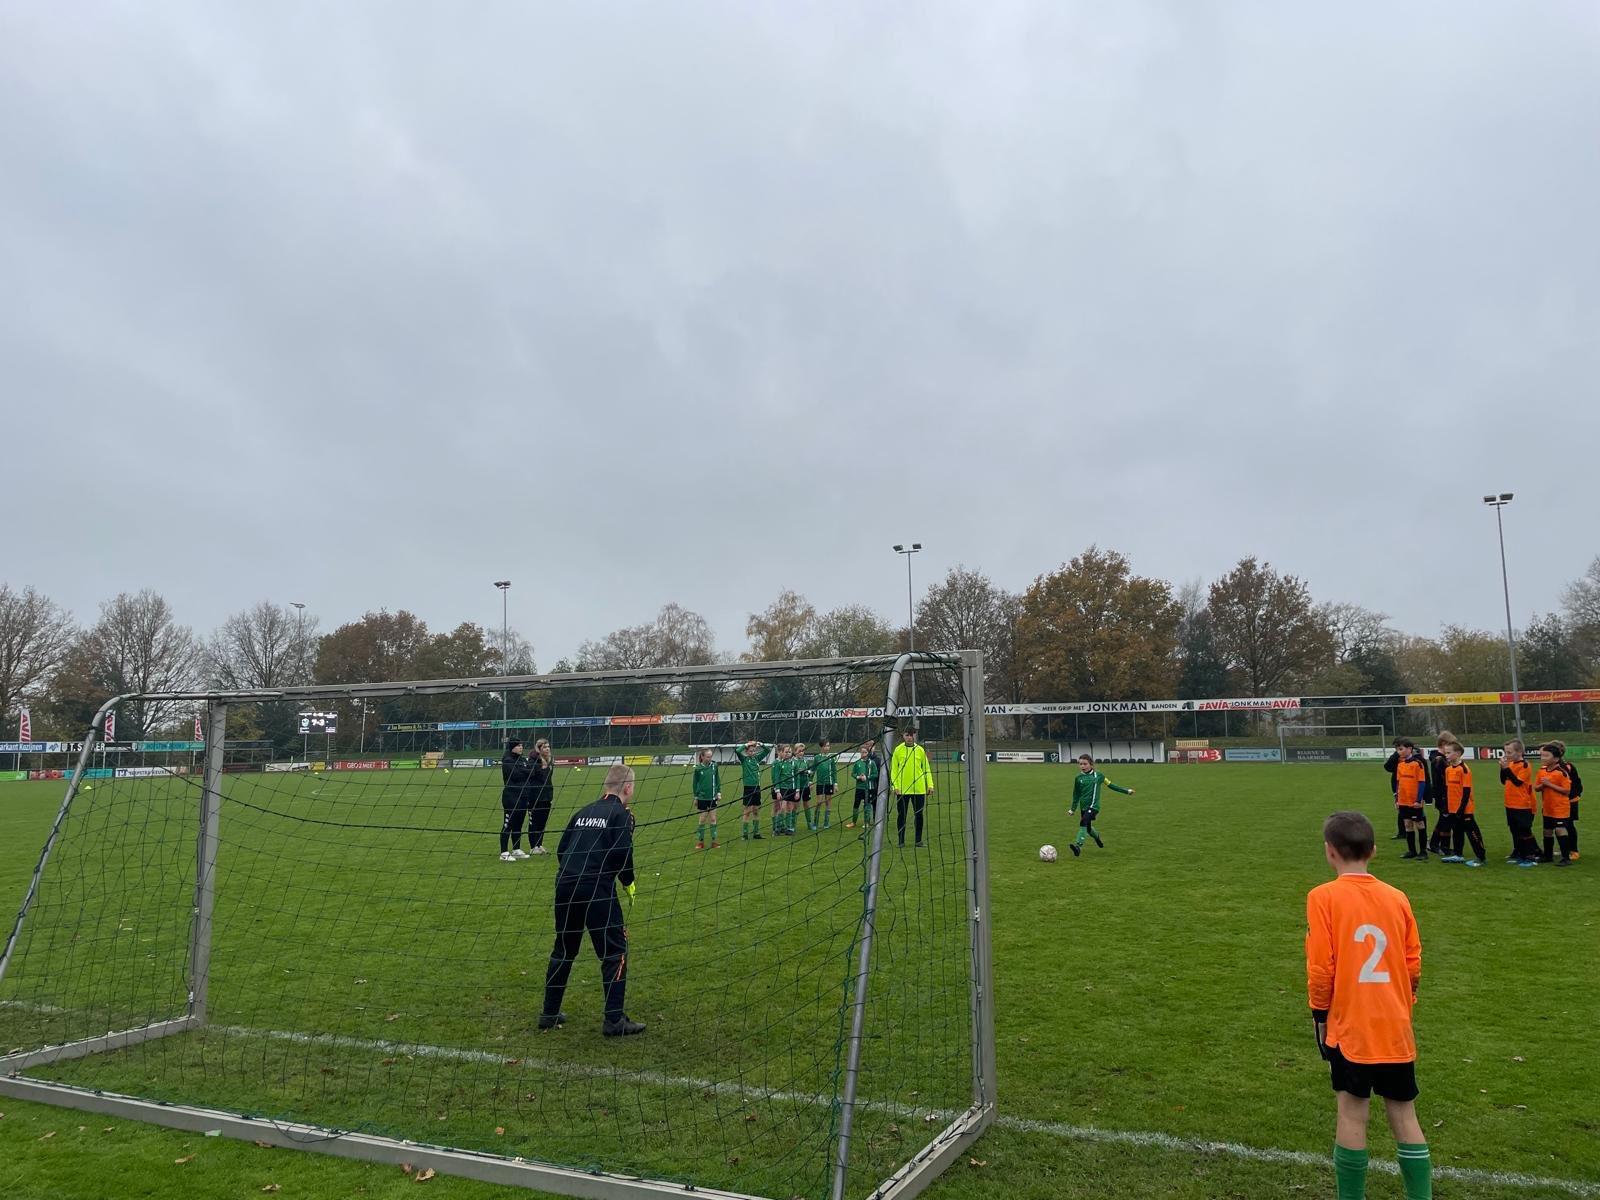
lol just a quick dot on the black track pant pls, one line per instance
(867, 797)
(587, 904)
(1520, 822)
(1464, 828)
(1439, 839)
(538, 818)
(1572, 827)
(918, 803)
(516, 812)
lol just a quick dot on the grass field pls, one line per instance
(1151, 1023)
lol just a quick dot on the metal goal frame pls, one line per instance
(920, 1169)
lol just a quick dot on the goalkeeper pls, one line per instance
(1086, 801)
(595, 854)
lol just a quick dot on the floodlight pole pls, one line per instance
(300, 663)
(505, 650)
(1497, 502)
(911, 612)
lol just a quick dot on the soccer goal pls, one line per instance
(328, 951)
(1301, 736)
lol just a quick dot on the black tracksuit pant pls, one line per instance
(539, 815)
(515, 806)
(918, 803)
(588, 904)
(1520, 822)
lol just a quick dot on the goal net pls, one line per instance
(326, 948)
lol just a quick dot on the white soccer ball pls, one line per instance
(1047, 854)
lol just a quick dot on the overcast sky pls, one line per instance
(371, 304)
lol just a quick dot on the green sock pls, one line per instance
(1350, 1172)
(713, 834)
(1083, 836)
(827, 818)
(1416, 1170)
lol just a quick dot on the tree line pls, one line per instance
(1092, 629)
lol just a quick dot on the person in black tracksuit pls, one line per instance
(595, 854)
(516, 791)
(1390, 765)
(1440, 840)
(540, 773)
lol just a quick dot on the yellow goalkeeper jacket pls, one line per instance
(909, 772)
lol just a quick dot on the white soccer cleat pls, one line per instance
(540, 850)
(519, 852)
(507, 856)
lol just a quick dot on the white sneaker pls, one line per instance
(519, 853)
(506, 856)
(540, 850)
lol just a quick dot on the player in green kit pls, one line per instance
(783, 792)
(804, 768)
(865, 772)
(826, 770)
(707, 795)
(1086, 801)
(751, 755)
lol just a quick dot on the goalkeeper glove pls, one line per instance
(1319, 1025)
(629, 890)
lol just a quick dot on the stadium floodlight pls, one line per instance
(385, 1025)
(1497, 503)
(911, 615)
(505, 647)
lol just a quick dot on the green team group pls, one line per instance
(805, 783)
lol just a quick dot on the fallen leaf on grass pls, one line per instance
(930, 1118)
(1437, 1124)
(388, 1062)
(405, 1168)
(263, 1145)
(392, 1017)
(1518, 1058)
(513, 1062)
(46, 1136)
(977, 1162)
(187, 1158)
(271, 1187)
(531, 1096)
(107, 1129)
(499, 1131)
(425, 1174)
(750, 1117)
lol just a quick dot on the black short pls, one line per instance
(1551, 824)
(1087, 816)
(705, 805)
(784, 795)
(1392, 1081)
(752, 795)
(805, 793)
(824, 789)
(1413, 812)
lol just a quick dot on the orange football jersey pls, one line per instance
(1457, 785)
(1553, 803)
(1411, 776)
(1519, 788)
(1363, 965)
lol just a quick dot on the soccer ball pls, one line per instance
(1047, 854)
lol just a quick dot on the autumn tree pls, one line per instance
(854, 631)
(1580, 607)
(677, 637)
(382, 647)
(1093, 630)
(463, 653)
(778, 632)
(1267, 627)
(35, 635)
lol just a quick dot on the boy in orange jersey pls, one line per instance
(1410, 794)
(1363, 965)
(1458, 802)
(1553, 786)
(1516, 776)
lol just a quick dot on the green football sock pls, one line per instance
(1083, 836)
(827, 818)
(1416, 1170)
(713, 833)
(1350, 1173)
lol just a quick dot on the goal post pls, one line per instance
(328, 951)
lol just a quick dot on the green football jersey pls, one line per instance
(1086, 790)
(804, 768)
(783, 774)
(706, 783)
(827, 770)
(750, 765)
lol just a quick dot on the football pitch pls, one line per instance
(1152, 1032)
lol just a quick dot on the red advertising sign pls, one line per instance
(651, 719)
(1194, 756)
(1557, 696)
(47, 774)
(569, 762)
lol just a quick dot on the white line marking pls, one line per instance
(1055, 1129)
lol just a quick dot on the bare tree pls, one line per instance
(35, 634)
(135, 646)
(778, 632)
(968, 611)
(1267, 627)
(261, 647)
(1580, 605)
(1356, 631)
(511, 654)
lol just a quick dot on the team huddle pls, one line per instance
(1445, 780)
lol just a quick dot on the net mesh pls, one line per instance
(376, 966)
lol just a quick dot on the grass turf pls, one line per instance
(1153, 986)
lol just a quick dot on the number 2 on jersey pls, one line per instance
(1380, 942)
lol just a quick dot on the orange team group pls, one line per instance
(1445, 781)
